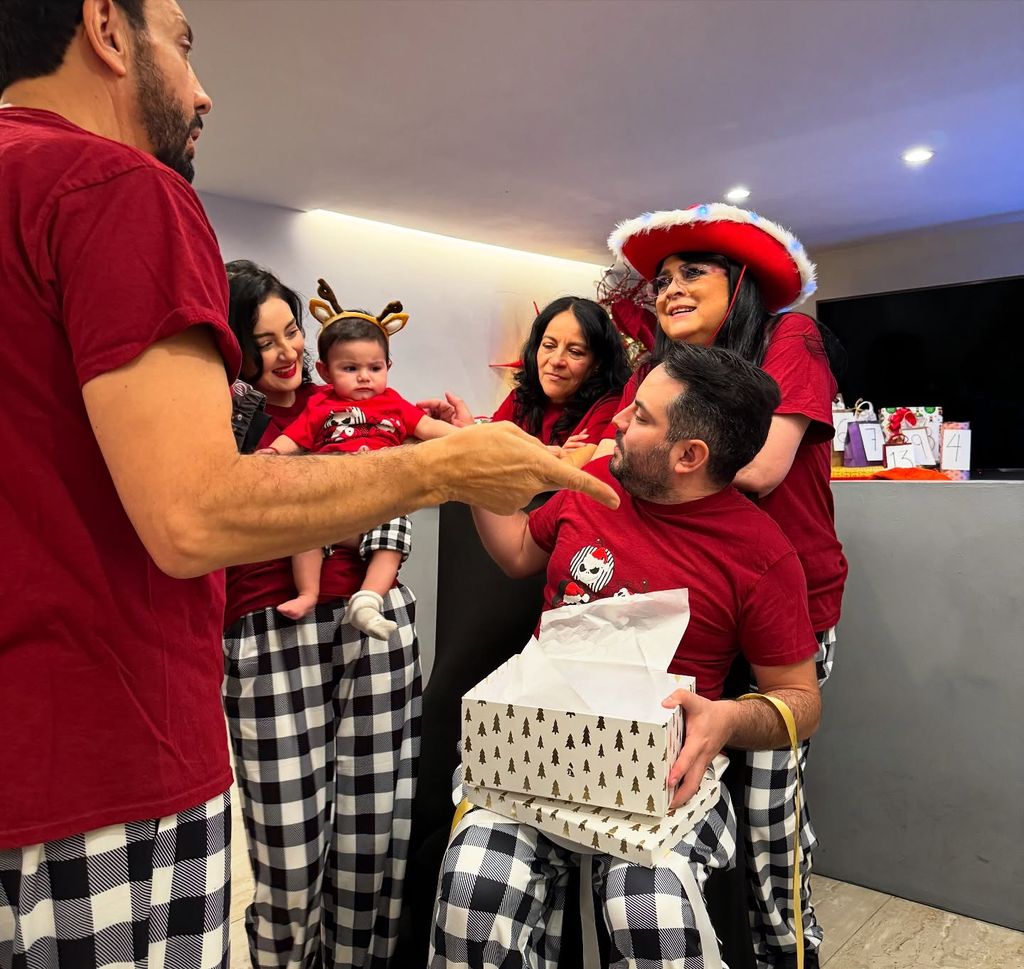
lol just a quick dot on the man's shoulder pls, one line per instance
(759, 533)
(50, 148)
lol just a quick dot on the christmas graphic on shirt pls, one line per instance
(353, 426)
(746, 587)
(591, 570)
(331, 424)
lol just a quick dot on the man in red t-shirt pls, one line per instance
(119, 497)
(696, 420)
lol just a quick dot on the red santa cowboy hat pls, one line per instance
(772, 254)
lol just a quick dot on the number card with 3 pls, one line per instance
(899, 455)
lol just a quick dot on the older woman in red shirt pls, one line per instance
(573, 370)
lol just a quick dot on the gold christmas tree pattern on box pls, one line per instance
(623, 834)
(575, 757)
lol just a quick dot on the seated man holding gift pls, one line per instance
(698, 417)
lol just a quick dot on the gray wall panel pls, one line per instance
(916, 781)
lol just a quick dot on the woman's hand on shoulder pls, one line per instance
(451, 409)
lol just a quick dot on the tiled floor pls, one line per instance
(863, 929)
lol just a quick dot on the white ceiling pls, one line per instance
(538, 124)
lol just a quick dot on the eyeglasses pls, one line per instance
(686, 275)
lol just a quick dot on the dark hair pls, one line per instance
(727, 403)
(349, 331)
(35, 34)
(249, 287)
(749, 326)
(609, 375)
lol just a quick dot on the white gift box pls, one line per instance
(577, 715)
(632, 837)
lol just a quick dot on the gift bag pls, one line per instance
(864, 443)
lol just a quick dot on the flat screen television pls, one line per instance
(959, 346)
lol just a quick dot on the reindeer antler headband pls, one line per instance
(391, 319)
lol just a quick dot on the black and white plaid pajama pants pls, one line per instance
(770, 786)
(141, 895)
(502, 892)
(325, 725)
(392, 536)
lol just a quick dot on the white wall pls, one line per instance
(469, 305)
(954, 253)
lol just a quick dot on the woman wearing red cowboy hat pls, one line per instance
(726, 276)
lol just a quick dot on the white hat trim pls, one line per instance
(720, 212)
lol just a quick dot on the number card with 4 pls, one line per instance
(956, 449)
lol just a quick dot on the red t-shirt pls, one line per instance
(802, 503)
(593, 422)
(746, 587)
(110, 670)
(263, 585)
(331, 425)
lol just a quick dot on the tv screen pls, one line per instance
(960, 347)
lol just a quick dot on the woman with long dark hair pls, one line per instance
(727, 277)
(324, 720)
(573, 370)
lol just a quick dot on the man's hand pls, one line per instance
(501, 468)
(709, 724)
(745, 724)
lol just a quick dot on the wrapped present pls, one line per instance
(627, 835)
(898, 451)
(927, 418)
(577, 715)
(955, 455)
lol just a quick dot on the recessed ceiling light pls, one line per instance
(737, 194)
(916, 157)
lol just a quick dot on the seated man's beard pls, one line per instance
(167, 126)
(645, 474)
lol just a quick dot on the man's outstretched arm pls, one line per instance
(508, 541)
(163, 425)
